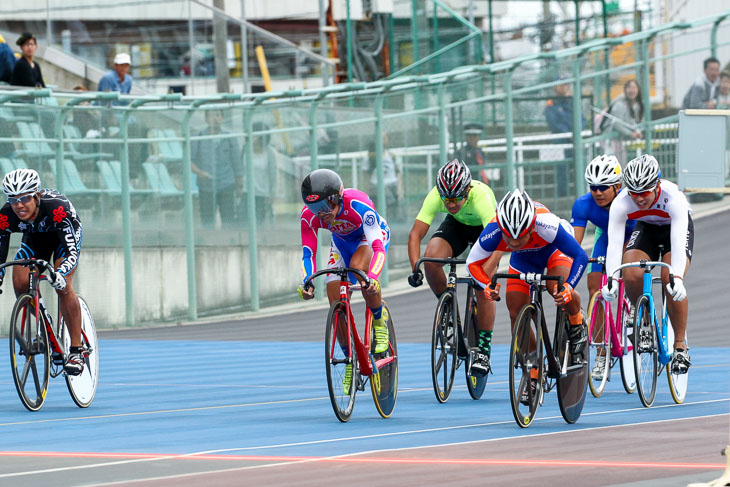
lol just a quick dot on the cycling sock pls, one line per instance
(485, 341)
(576, 319)
(75, 350)
(377, 312)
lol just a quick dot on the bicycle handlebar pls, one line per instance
(647, 265)
(340, 271)
(438, 260)
(529, 277)
(39, 264)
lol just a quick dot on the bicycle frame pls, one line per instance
(615, 328)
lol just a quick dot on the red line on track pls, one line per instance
(420, 461)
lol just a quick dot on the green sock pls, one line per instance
(485, 341)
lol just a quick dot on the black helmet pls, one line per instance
(453, 179)
(322, 190)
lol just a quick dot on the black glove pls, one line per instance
(416, 279)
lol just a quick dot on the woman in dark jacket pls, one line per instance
(27, 72)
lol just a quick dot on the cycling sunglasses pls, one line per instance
(22, 199)
(454, 200)
(325, 205)
(642, 194)
(599, 187)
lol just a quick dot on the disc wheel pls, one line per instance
(384, 383)
(474, 383)
(599, 344)
(525, 358)
(337, 358)
(83, 387)
(645, 352)
(29, 353)
(443, 348)
(573, 386)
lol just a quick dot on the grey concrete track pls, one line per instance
(413, 311)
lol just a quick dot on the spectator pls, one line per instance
(7, 61)
(118, 78)
(27, 72)
(217, 163)
(723, 97)
(624, 115)
(559, 117)
(266, 170)
(703, 92)
(470, 153)
(392, 180)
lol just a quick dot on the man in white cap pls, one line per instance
(118, 78)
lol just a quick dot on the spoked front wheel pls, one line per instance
(475, 383)
(526, 366)
(83, 387)
(571, 387)
(443, 348)
(341, 362)
(384, 384)
(645, 352)
(29, 353)
(599, 344)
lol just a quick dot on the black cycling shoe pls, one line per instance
(74, 363)
(481, 365)
(680, 362)
(578, 337)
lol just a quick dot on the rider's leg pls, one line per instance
(435, 276)
(21, 279)
(559, 265)
(677, 310)
(70, 308)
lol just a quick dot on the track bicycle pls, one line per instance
(453, 341)
(653, 338)
(39, 350)
(341, 337)
(532, 354)
(609, 336)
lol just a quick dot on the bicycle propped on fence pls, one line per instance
(346, 353)
(39, 349)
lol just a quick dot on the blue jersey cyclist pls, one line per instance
(50, 227)
(360, 239)
(603, 175)
(538, 239)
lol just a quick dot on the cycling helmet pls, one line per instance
(453, 179)
(603, 170)
(322, 190)
(642, 173)
(21, 181)
(516, 214)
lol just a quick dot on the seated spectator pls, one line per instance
(27, 72)
(624, 115)
(723, 97)
(703, 92)
(7, 61)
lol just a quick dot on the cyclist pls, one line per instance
(663, 218)
(603, 175)
(469, 205)
(537, 239)
(360, 239)
(50, 227)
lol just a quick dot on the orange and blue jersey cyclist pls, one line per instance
(538, 239)
(360, 239)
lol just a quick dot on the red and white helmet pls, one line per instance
(516, 214)
(453, 179)
(21, 181)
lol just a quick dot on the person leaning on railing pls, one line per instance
(27, 72)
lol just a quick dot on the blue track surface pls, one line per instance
(270, 398)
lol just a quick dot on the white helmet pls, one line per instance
(516, 214)
(642, 173)
(603, 170)
(21, 181)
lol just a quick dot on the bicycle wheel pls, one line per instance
(29, 353)
(645, 352)
(526, 354)
(337, 358)
(677, 382)
(573, 386)
(83, 387)
(599, 343)
(628, 372)
(384, 384)
(443, 348)
(474, 383)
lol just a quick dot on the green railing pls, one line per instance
(137, 167)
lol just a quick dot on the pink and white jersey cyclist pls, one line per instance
(360, 239)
